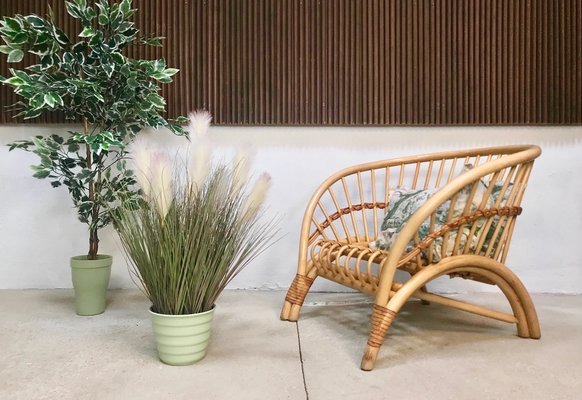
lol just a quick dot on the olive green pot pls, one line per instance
(90, 281)
(182, 339)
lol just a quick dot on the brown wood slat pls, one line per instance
(359, 62)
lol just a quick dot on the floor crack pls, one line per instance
(301, 360)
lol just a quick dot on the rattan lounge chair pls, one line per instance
(345, 216)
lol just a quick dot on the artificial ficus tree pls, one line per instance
(91, 81)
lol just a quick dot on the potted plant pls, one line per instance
(90, 81)
(195, 231)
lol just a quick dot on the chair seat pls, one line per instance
(354, 264)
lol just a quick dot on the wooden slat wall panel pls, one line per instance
(362, 62)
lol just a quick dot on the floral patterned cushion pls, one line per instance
(402, 205)
(405, 202)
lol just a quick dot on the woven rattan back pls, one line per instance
(475, 218)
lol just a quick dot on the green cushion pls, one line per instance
(404, 202)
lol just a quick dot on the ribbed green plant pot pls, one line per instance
(182, 339)
(90, 281)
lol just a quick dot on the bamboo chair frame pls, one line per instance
(343, 215)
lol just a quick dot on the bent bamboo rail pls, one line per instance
(343, 217)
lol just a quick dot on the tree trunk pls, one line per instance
(93, 245)
(93, 238)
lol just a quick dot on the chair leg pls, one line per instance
(295, 297)
(424, 302)
(424, 290)
(382, 318)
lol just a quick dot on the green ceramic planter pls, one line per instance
(90, 281)
(182, 339)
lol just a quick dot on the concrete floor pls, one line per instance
(47, 352)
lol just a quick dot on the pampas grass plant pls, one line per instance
(195, 230)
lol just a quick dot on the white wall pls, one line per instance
(39, 230)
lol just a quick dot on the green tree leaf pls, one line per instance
(68, 58)
(13, 24)
(42, 174)
(103, 19)
(81, 3)
(15, 56)
(53, 99)
(21, 74)
(162, 78)
(20, 38)
(73, 147)
(118, 57)
(159, 65)
(58, 139)
(37, 101)
(72, 10)
(61, 37)
(157, 100)
(125, 7)
(171, 71)
(36, 21)
(103, 6)
(109, 69)
(14, 81)
(87, 32)
(32, 114)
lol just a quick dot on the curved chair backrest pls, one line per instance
(481, 203)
